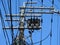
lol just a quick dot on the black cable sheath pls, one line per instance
(41, 22)
(8, 5)
(3, 19)
(4, 31)
(42, 39)
(12, 33)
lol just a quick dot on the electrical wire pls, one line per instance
(16, 6)
(8, 9)
(58, 42)
(51, 30)
(8, 4)
(57, 20)
(2, 21)
(9, 13)
(31, 17)
(52, 3)
(3, 6)
(57, 28)
(16, 9)
(31, 30)
(12, 32)
(58, 31)
(42, 39)
(47, 36)
(4, 31)
(41, 22)
(51, 24)
(6, 12)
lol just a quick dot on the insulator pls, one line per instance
(33, 23)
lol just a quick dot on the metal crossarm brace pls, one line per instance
(49, 8)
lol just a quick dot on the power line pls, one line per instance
(43, 39)
(3, 20)
(8, 5)
(12, 33)
(3, 6)
(52, 2)
(51, 31)
(3, 30)
(3, 25)
(51, 24)
(58, 38)
(41, 23)
(16, 6)
(57, 28)
(50, 34)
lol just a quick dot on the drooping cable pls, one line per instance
(51, 31)
(16, 6)
(6, 13)
(57, 22)
(58, 34)
(16, 11)
(42, 39)
(41, 22)
(57, 29)
(41, 2)
(8, 5)
(3, 20)
(3, 6)
(31, 30)
(4, 30)
(51, 24)
(52, 3)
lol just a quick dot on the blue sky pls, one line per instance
(46, 25)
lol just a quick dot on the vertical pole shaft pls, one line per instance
(21, 35)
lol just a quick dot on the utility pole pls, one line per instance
(32, 23)
(21, 35)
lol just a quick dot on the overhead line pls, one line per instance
(3, 25)
(12, 33)
(1, 16)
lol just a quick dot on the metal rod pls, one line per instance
(20, 28)
(50, 12)
(50, 8)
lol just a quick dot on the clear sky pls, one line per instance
(46, 25)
